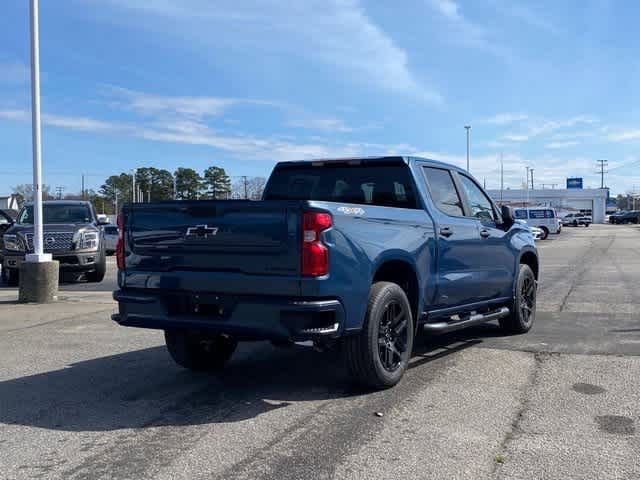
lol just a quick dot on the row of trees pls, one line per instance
(628, 202)
(153, 184)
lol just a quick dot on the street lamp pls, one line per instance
(467, 128)
(38, 273)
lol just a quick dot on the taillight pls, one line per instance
(120, 244)
(315, 255)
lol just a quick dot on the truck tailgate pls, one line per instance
(233, 236)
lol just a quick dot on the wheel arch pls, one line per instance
(530, 258)
(402, 272)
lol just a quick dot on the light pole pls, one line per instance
(39, 273)
(467, 128)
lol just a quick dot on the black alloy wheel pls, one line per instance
(527, 300)
(392, 336)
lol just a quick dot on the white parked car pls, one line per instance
(538, 233)
(544, 218)
(110, 238)
(575, 219)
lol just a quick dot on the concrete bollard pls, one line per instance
(38, 282)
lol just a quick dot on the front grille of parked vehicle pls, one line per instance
(53, 241)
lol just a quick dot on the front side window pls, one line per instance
(479, 203)
(443, 191)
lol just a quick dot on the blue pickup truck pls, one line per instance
(363, 253)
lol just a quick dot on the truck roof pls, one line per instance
(62, 202)
(373, 159)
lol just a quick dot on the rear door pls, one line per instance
(493, 259)
(457, 238)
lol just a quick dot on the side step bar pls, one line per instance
(477, 319)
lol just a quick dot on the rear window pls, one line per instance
(388, 185)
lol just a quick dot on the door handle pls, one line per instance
(446, 231)
(484, 233)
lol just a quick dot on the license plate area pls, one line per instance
(206, 305)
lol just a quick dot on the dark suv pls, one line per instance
(72, 234)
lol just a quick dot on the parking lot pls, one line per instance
(83, 398)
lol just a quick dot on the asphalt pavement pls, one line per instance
(81, 397)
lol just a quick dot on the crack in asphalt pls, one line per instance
(593, 254)
(525, 404)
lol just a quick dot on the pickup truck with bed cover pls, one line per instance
(360, 253)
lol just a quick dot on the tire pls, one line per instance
(379, 355)
(587, 224)
(575, 223)
(97, 275)
(523, 313)
(13, 277)
(199, 351)
(545, 233)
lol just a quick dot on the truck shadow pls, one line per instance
(143, 388)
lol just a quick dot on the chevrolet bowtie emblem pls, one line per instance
(201, 231)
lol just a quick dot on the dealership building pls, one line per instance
(588, 200)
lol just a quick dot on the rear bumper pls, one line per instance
(77, 262)
(245, 317)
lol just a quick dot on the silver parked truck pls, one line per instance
(72, 234)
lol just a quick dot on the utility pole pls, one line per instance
(532, 179)
(602, 164)
(116, 205)
(83, 186)
(175, 188)
(501, 176)
(527, 185)
(467, 128)
(133, 186)
(244, 180)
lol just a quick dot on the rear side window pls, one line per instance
(443, 191)
(388, 185)
(541, 213)
(478, 202)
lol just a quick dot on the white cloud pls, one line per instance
(336, 33)
(623, 135)
(565, 144)
(463, 31)
(323, 124)
(524, 14)
(516, 138)
(190, 107)
(194, 133)
(541, 126)
(506, 118)
(14, 73)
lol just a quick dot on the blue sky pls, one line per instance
(243, 84)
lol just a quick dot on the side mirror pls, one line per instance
(507, 216)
